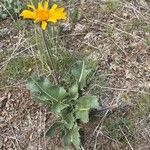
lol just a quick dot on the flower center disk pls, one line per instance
(42, 15)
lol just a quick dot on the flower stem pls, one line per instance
(50, 60)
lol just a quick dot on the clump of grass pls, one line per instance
(147, 42)
(74, 16)
(114, 125)
(10, 8)
(143, 105)
(113, 5)
(17, 69)
(136, 25)
(3, 56)
(132, 25)
(147, 28)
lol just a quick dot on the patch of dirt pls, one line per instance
(22, 122)
(8, 35)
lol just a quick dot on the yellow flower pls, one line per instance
(43, 14)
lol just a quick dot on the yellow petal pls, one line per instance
(60, 9)
(53, 7)
(31, 6)
(27, 14)
(40, 7)
(54, 20)
(57, 14)
(44, 25)
(46, 5)
(60, 13)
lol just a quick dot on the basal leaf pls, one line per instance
(83, 106)
(41, 99)
(51, 131)
(41, 88)
(35, 83)
(57, 107)
(58, 92)
(83, 115)
(87, 102)
(69, 119)
(72, 136)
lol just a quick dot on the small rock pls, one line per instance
(125, 15)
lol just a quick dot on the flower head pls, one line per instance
(43, 14)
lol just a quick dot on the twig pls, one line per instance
(96, 112)
(119, 89)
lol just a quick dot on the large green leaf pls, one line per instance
(58, 92)
(83, 106)
(57, 107)
(41, 98)
(51, 131)
(69, 119)
(83, 115)
(35, 83)
(80, 72)
(87, 102)
(72, 136)
(43, 90)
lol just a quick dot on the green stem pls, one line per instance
(50, 60)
